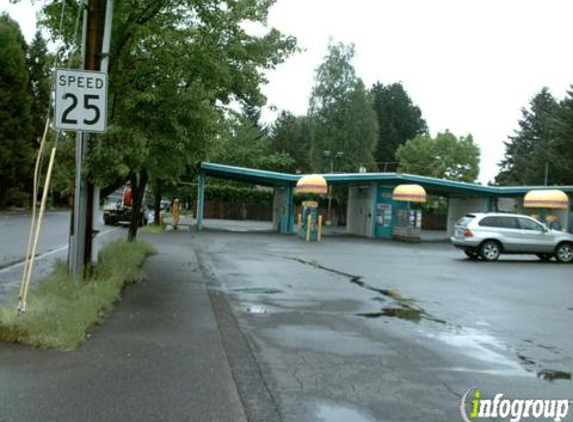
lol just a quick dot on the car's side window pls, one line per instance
(508, 222)
(489, 222)
(527, 224)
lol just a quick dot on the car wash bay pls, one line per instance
(374, 212)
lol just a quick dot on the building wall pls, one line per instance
(279, 207)
(358, 220)
(458, 207)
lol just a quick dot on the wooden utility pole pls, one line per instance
(95, 31)
(94, 18)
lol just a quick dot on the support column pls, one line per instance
(492, 204)
(373, 205)
(200, 200)
(289, 214)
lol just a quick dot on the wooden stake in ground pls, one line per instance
(22, 305)
(34, 206)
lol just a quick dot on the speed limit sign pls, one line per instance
(81, 100)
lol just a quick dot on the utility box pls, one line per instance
(310, 223)
(408, 225)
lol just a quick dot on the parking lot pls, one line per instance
(354, 329)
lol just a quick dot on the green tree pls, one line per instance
(39, 66)
(290, 135)
(533, 144)
(398, 121)
(340, 115)
(444, 156)
(244, 144)
(174, 68)
(16, 149)
(561, 166)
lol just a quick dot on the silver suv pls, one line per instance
(487, 235)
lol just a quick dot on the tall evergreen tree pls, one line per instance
(243, 144)
(533, 146)
(398, 120)
(39, 66)
(290, 135)
(16, 152)
(561, 170)
(340, 115)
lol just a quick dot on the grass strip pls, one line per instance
(60, 312)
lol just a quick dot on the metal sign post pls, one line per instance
(80, 105)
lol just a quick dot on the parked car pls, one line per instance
(487, 235)
(118, 213)
(119, 208)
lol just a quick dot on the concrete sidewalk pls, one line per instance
(158, 357)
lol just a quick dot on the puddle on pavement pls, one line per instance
(525, 360)
(257, 310)
(258, 290)
(406, 313)
(552, 375)
(487, 349)
(337, 413)
(414, 315)
(544, 374)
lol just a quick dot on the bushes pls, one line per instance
(239, 195)
(60, 312)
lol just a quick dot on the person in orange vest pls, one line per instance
(175, 213)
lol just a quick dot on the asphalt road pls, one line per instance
(52, 245)
(351, 330)
(363, 330)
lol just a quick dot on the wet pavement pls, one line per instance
(361, 330)
(52, 246)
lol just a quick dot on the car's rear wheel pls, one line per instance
(545, 256)
(490, 250)
(472, 254)
(564, 252)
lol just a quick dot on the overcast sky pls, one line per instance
(469, 65)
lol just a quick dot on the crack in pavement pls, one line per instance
(407, 311)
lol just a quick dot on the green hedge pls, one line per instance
(238, 195)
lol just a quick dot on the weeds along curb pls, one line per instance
(60, 312)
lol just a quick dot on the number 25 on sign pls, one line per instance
(81, 100)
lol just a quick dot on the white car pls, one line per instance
(488, 235)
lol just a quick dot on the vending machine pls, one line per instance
(310, 222)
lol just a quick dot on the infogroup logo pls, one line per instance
(473, 407)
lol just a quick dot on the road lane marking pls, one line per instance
(52, 252)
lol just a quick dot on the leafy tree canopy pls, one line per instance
(444, 156)
(174, 67)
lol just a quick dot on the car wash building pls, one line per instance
(385, 205)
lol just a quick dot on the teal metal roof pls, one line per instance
(242, 174)
(432, 185)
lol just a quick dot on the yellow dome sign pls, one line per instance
(550, 198)
(409, 193)
(312, 183)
